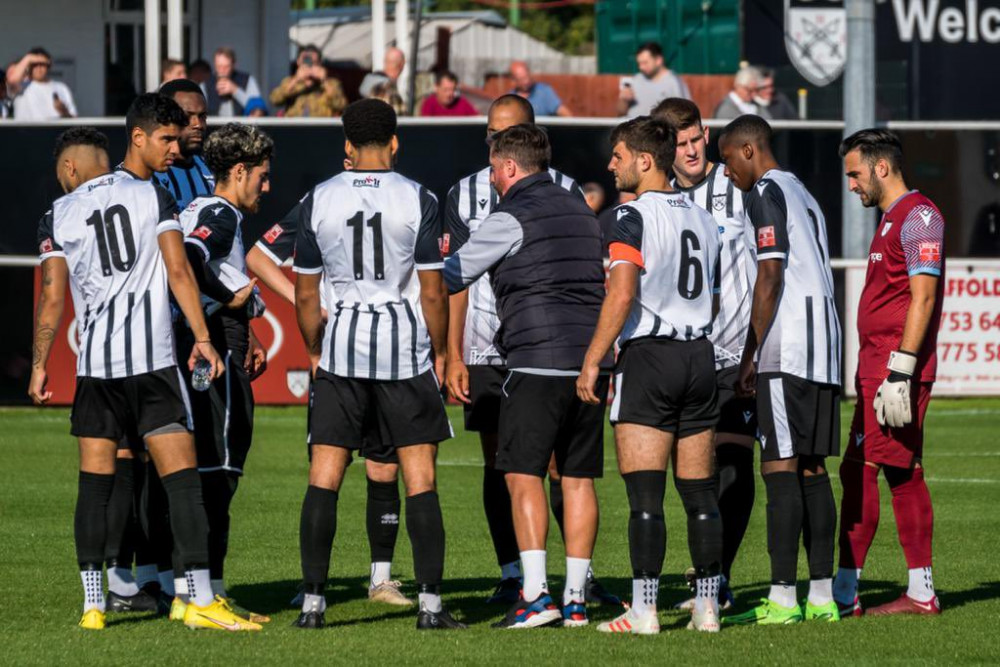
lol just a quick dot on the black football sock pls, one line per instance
(819, 524)
(647, 532)
(704, 524)
(120, 516)
(784, 525)
(425, 527)
(383, 519)
(187, 518)
(556, 502)
(90, 521)
(317, 529)
(218, 489)
(499, 517)
(158, 532)
(737, 486)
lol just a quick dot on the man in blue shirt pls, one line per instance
(543, 98)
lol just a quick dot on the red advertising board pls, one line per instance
(286, 381)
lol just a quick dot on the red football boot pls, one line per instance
(906, 605)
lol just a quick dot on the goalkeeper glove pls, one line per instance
(892, 400)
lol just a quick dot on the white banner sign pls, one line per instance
(969, 337)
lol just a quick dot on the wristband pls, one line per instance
(901, 365)
(203, 341)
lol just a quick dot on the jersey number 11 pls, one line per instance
(375, 222)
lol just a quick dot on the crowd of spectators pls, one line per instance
(27, 91)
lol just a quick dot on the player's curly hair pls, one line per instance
(233, 144)
(369, 122)
(875, 144)
(152, 110)
(80, 136)
(648, 135)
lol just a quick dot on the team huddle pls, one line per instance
(712, 325)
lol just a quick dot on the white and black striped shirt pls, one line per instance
(737, 263)
(469, 202)
(107, 230)
(186, 183)
(804, 336)
(675, 244)
(370, 232)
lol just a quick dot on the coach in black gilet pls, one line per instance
(542, 249)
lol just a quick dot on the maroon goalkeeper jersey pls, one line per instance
(909, 240)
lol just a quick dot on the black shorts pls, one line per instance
(377, 416)
(797, 417)
(736, 415)
(483, 413)
(666, 384)
(541, 414)
(223, 418)
(132, 406)
(371, 449)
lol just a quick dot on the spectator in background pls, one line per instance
(593, 193)
(639, 94)
(542, 97)
(6, 104)
(200, 72)
(740, 99)
(171, 70)
(35, 95)
(445, 101)
(773, 104)
(388, 93)
(392, 69)
(256, 108)
(228, 89)
(310, 91)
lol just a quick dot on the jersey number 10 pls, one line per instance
(108, 247)
(358, 223)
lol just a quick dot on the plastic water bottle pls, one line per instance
(201, 377)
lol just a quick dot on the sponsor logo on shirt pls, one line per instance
(202, 232)
(46, 246)
(765, 237)
(930, 251)
(273, 233)
(368, 181)
(875, 257)
(192, 206)
(444, 244)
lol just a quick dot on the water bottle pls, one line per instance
(201, 378)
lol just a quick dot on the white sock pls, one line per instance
(511, 570)
(93, 590)
(199, 586)
(381, 573)
(707, 593)
(312, 602)
(783, 595)
(820, 591)
(921, 584)
(166, 582)
(121, 581)
(533, 563)
(145, 574)
(576, 579)
(845, 586)
(219, 588)
(644, 592)
(429, 601)
(181, 588)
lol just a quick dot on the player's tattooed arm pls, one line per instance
(51, 302)
(310, 318)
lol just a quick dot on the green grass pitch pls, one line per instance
(40, 586)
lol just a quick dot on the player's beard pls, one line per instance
(873, 194)
(627, 179)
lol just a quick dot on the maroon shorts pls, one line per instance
(897, 447)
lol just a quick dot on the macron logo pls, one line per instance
(747, 416)
(858, 439)
(760, 188)
(217, 210)
(926, 216)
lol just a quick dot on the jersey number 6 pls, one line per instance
(690, 264)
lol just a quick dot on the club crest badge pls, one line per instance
(816, 38)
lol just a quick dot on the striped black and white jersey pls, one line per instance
(278, 244)
(804, 336)
(370, 232)
(107, 230)
(675, 244)
(214, 226)
(737, 263)
(469, 202)
(187, 182)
